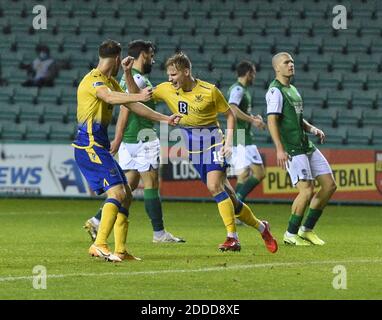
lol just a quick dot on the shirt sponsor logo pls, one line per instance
(98, 83)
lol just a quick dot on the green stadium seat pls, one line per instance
(232, 28)
(361, 46)
(6, 95)
(357, 81)
(37, 131)
(61, 8)
(15, 9)
(374, 81)
(377, 137)
(361, 136)
(368, 63)
(365, 100)
(114, 26)
(372, 118)
(334, 136)
(351, 118)
(9, 113)
(51, 95)
(201, 61)
(86, 10)
(312, 62)
(313, 98)
(108, 10)
(67, 77)
(87, 26)
(13, 75)
(65, 25)
(69, 96)
(343, 63)
(72, 113)
(63, 132)
(288, 44)
(316, 10)
(225, 62)
(135, 10)
(330, 80)
(13, 132)
(305, 80)
(338, 99)
(30, 112)
(324, 117)
(55, 113)
(26, 95)
(192, 44)
(8, 42)
(299, 27)
(310, 47)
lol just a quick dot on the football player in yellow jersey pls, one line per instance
(200, 103)
(96, 95)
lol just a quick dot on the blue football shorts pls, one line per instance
(99, 168)
(203, 145)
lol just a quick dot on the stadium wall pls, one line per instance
(49, 170)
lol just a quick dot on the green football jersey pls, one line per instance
(287, 102)
(241, 97)
(136, 123)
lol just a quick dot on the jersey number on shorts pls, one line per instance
(218, 157)
(183, 107)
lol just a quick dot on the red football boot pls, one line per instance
(269, 241)
(230, 244)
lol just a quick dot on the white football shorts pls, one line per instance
(139, 156)
(244, 156)
(308, 166)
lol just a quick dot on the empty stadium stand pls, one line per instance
(338, 72)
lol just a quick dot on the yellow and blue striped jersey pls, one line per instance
(93, 114)
(199, 107)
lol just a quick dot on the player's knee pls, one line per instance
(215, 188)
(119, 195)
(331, 187)
(260, 176)
(307, 193)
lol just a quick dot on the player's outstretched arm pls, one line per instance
(256, 121)
(146, 112)
(113, 97)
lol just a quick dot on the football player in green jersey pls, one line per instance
(297, 154)
(246, 160)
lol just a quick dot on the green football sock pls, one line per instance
(153, 208)
(247, 187)
(238, 186)
(312, 218)
(294, 223)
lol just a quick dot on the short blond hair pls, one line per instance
(180, 61)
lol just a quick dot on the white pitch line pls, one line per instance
(233, 267)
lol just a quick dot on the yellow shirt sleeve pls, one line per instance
(159, 92)
(220, 102)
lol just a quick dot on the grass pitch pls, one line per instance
(49, 233)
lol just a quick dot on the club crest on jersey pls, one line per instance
(198, 98)
(378, 170)
(183, 107)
